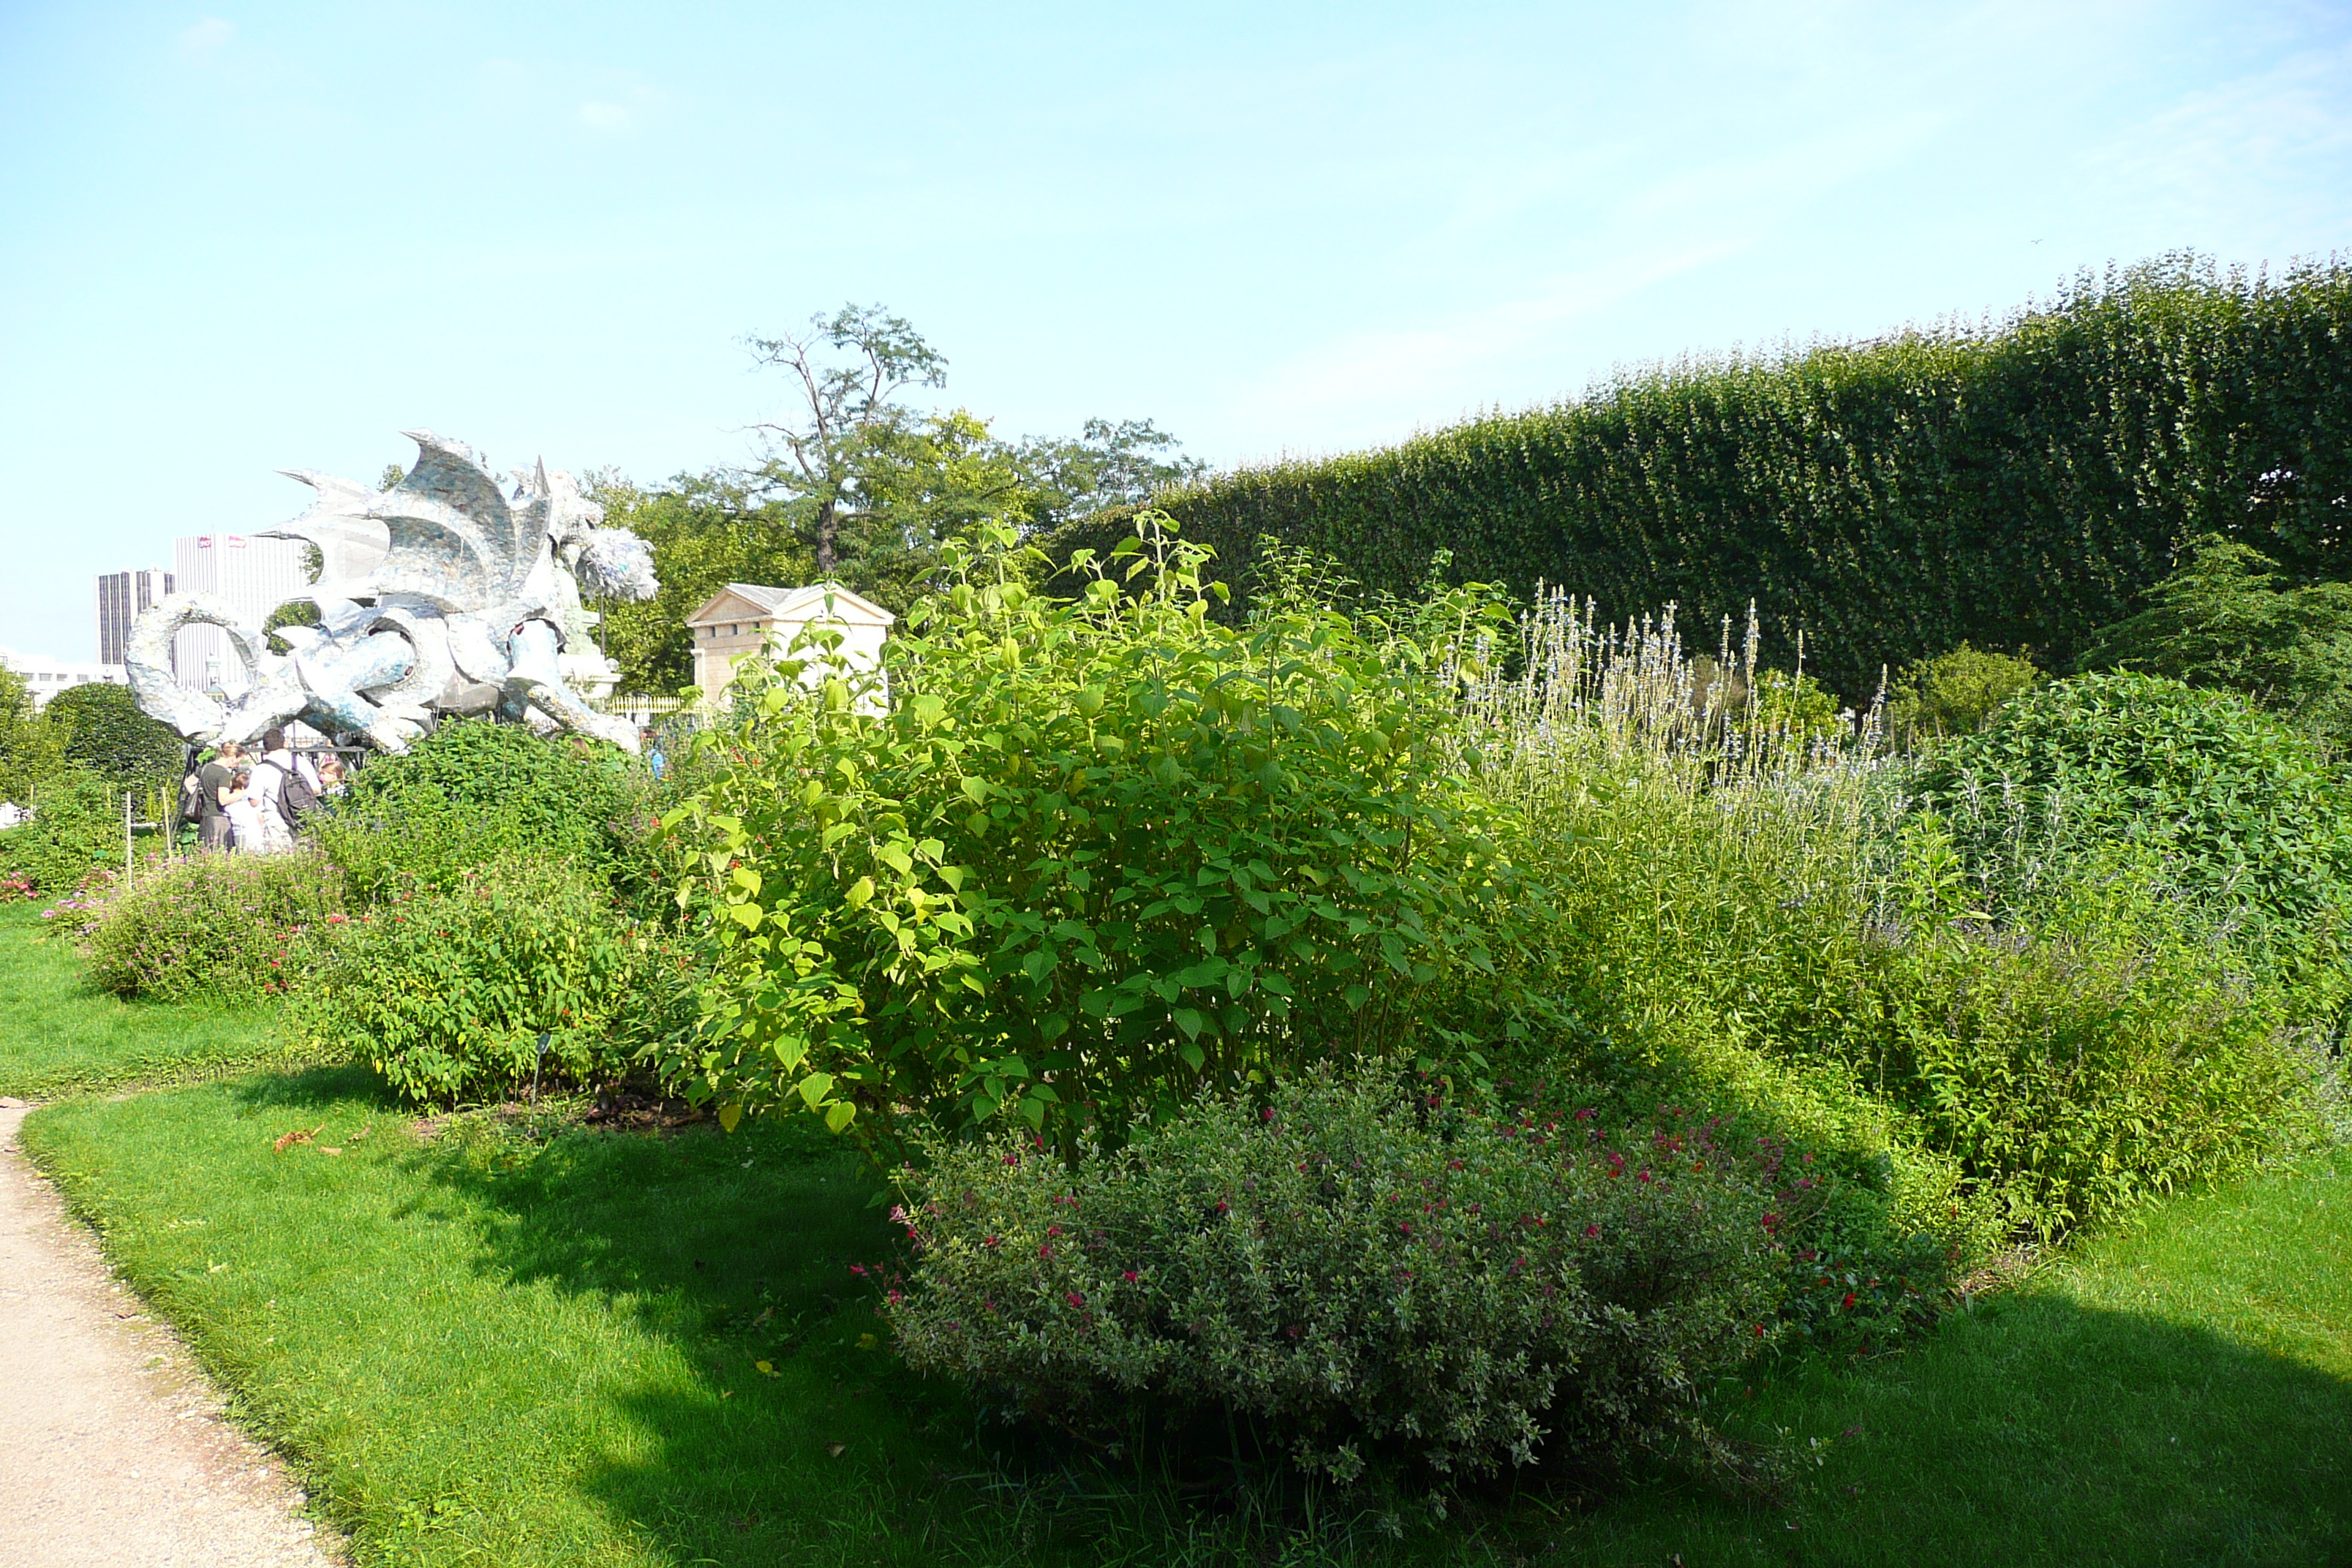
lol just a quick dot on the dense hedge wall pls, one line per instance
(2013, 486)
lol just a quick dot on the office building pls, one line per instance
(121, 596)
(253, 577)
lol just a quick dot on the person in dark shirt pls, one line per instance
(213, 783)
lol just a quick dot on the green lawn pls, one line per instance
(490, 1347)
(60, 1035)
(514, 1345)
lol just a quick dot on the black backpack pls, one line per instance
(296, 798)
(191, 799)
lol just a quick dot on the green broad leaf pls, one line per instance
(839, 1114)
(895, 857)
(1357, 996)
(1032, 1111)
(1195, 1057)
(814, 1088)
(1188, 1019)
(747, 916)
(859, 892)
(1054, 1027)
(730, 1115)
(974, 789)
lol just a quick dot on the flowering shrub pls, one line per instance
(14, 890)
(1365, 1279)
(445, 994)
(227, 928)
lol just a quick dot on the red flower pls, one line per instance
(1849, 1300)
(1077, 1299)
(1592, 1231)
(1129, 1275)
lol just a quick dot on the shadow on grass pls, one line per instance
(2032, 1430)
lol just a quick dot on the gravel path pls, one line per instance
(112, 1452)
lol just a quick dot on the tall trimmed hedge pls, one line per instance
(2013, 486)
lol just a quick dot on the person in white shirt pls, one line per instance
(242, 806)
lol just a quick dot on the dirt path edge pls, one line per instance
(113, 1452)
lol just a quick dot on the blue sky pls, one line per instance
(236, 238)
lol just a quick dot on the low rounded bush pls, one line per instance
(1368, 1281)
(1955, 693)
(2241, 805)
(473, 793)
(224, 928)
(446, 992)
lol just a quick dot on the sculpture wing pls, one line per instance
(350, 544)
(452, 538)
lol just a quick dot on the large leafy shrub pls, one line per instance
(2241, 807)
(76, 829)
(474, 791)
(225, 927)
(447, 992)
(1092, 853)
(1360, 1278)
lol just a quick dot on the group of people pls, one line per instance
(254, 804)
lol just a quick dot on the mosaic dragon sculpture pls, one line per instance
(445, 594)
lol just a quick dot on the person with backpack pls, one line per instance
(285, 790)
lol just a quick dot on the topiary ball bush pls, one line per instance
(2241, 807)
(1370, 1283)
(106, 731)
(476, 793)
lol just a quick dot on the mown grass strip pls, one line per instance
(60, 1034)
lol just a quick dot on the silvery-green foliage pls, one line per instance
(1366, 1278)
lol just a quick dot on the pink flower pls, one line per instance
(1590, 1231)
(1129, 1275)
